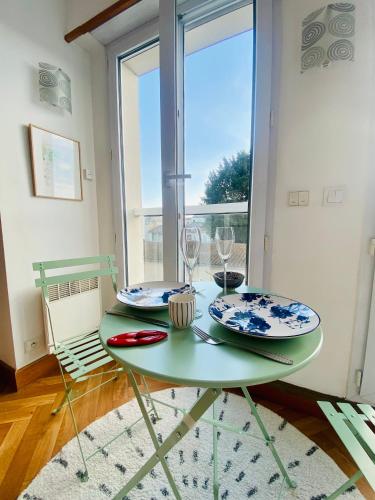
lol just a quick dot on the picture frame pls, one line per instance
(56, 165)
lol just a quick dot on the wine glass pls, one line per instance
(224, 238)
(190, 243)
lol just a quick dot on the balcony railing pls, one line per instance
(207, 217)
(218, 208)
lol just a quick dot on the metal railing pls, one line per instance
(214, 209)
(206, 217)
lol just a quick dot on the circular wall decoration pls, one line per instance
(342, 6)
(312, 57)
(47, 79)
(47, 66)
(312, 33)
(325, 35)
(54, 86)
(341, 50)
(311, 17)
(342, 25)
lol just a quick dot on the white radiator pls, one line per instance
(75, 309)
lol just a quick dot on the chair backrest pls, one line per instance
(43, 282)
(68, 320)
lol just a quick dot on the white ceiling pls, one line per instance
(148, 10)
(80, 11)
(127, 21)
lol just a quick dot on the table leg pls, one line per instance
(269, 440)
(135, 480)
(215, 455)
(188, 421)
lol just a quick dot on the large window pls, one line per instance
(218, 106)
(185, 136)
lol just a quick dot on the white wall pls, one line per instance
(323, 136)
(36, 228)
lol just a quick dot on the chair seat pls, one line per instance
(81, 355)
(355, 429)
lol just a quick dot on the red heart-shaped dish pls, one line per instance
(143, 337)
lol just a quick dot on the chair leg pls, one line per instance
(85, 475)
(117, 366)
(350, 482)
(63, 403)
(70, 389)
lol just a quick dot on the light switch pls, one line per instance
(303, 198)
(298, 198)
(293, 198)
(334, 196)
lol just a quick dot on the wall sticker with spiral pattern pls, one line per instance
(328, 35)
(54, 86)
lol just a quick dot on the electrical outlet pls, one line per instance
(32, 345)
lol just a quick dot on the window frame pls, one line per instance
(169, 29)
(116, 51)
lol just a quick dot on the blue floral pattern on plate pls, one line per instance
(264, 315)
(152, 295)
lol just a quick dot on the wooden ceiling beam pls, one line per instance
(101, 18)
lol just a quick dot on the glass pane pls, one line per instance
(218, 108)
(140, 82)
(153, 247)
(209, 260)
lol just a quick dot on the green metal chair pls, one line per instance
(355, 429)
(80, 355)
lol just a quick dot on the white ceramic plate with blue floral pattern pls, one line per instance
(263, 315)
(151, 295)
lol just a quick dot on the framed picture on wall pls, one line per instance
(56, 165)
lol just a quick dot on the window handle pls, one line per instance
(175, 177)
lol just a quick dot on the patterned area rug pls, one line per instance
(246, 467)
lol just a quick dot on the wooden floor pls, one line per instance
(30, 436)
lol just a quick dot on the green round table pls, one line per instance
(184, 359)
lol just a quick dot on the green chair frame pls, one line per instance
(79, 355)
(357, 436)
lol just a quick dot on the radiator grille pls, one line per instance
(62, 290)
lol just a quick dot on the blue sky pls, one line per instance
(218, 83)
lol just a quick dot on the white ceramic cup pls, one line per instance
(181, 308)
